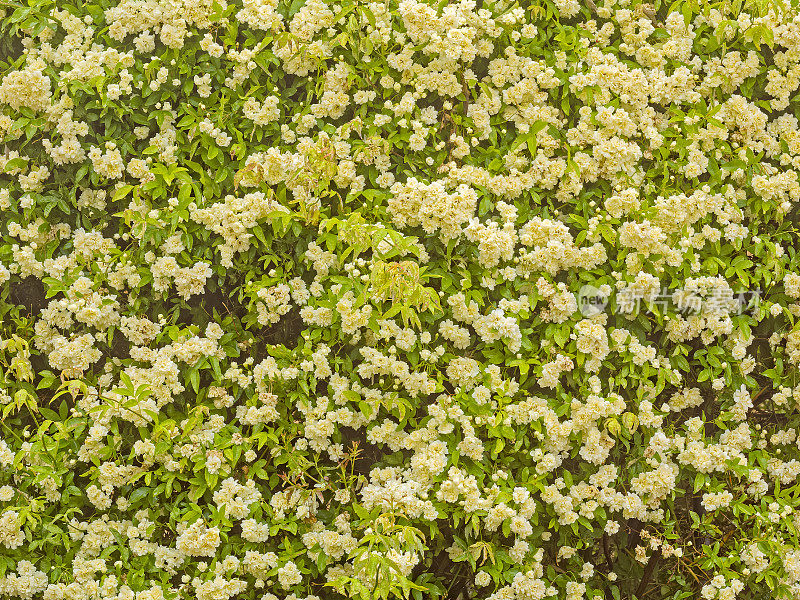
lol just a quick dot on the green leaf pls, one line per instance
(699, 482)
(123, 191)
(138, 494)
(259, 233)
(16, 163)
(194, 380)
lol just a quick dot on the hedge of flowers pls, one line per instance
(321, 299)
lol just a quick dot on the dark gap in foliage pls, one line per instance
(120, 346)
(369, 454)
(220, 300)
(456, 576)
(286, 331)
(29, 293)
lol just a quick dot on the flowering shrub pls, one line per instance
(377, 299)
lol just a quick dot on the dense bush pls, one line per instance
(379, 300)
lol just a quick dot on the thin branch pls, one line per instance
(648, 573)
(607, 552)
